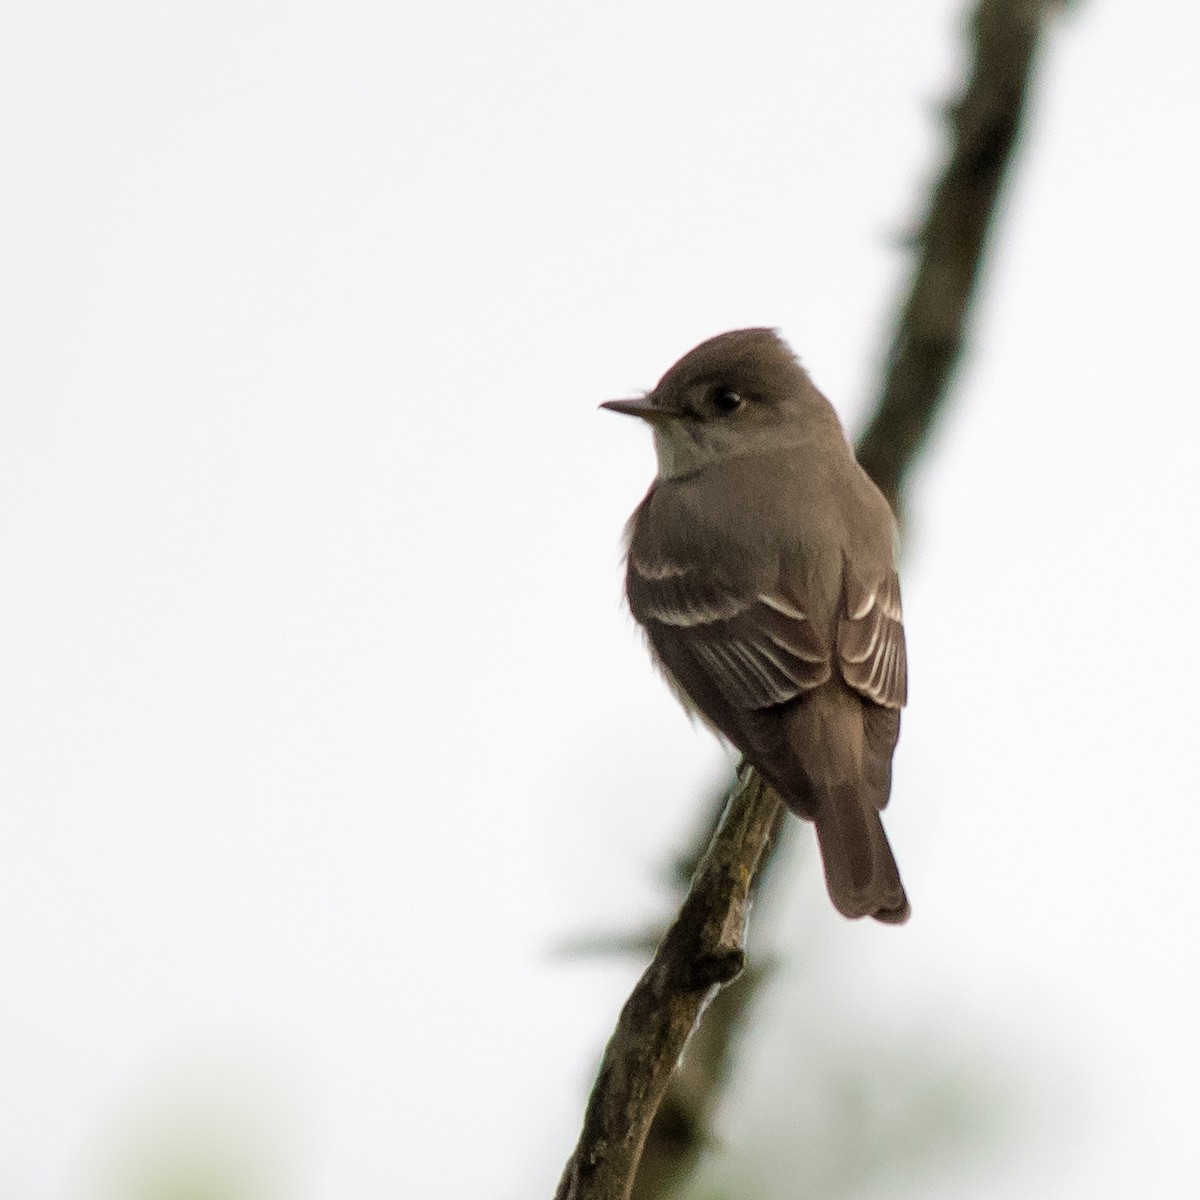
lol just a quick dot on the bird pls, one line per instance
(762, 567)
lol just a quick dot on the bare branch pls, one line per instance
(681, 1130)
(702, 950)
(930, 331)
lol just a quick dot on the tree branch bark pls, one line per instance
(703, 949)
(930, 333)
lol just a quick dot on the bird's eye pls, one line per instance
(726, 400)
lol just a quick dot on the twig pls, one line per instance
(702, 950)
(930, 331)
(680, 1132)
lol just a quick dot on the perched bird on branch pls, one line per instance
(762, 567)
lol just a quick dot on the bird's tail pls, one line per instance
(860, 872)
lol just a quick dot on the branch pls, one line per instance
(680, 1132)
(702, 950)
(705, 947)
(929, 338)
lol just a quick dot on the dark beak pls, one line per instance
(643, 407)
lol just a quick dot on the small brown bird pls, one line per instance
(762, 566)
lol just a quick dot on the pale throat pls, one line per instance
(684, 450)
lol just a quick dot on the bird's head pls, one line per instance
(737, 394)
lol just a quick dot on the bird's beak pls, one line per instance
(643, 407)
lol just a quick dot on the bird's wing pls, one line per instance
(736, 653)
(757, 648)
(870, 640)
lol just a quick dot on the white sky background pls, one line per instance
(322, 721)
